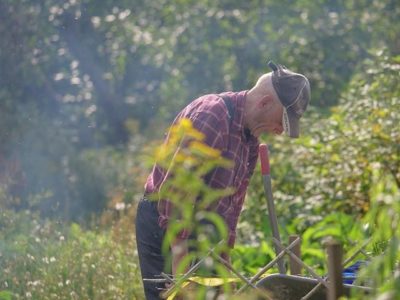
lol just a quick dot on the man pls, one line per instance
(231, 123)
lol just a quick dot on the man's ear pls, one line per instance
(264, 101)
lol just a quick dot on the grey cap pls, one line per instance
(293, 91)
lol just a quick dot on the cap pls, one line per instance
(293, 91)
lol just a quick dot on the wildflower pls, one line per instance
(35, 283)
(120, 206)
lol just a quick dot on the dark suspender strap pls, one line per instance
(229, 106)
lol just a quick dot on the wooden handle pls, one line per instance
(264, 158)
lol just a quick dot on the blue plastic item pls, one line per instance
(350, 273)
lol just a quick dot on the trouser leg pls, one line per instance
(149, 238)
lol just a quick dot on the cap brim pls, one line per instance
(293, 124)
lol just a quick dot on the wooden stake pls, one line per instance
(334, 252)
(295, 268)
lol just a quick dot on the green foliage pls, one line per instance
(380, 225)
(383, 223)
(357, 139)
(330, 167)
(5, 295)
(342, 227)
(248, 259)
(46, 260)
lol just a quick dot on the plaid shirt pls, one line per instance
(210, 115)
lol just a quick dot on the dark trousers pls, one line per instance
(149, 238)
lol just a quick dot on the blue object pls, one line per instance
(350, 273)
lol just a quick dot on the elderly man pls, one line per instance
(231, 123)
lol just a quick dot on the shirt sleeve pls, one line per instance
(214, 128)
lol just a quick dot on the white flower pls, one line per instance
(120, 206)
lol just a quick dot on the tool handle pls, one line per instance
(264, 158)
(265, 170)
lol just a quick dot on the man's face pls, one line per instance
(266, 117)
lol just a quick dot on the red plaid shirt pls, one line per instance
(210, 115)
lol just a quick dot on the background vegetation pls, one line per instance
(86, 87)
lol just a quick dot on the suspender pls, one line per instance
(229, 106)
(231, 112)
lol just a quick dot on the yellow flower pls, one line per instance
(204, 149)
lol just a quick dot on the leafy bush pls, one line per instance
(329, 168)
(358, 138)
(383, 225)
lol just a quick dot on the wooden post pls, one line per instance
(334, 252)
(295, 268)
